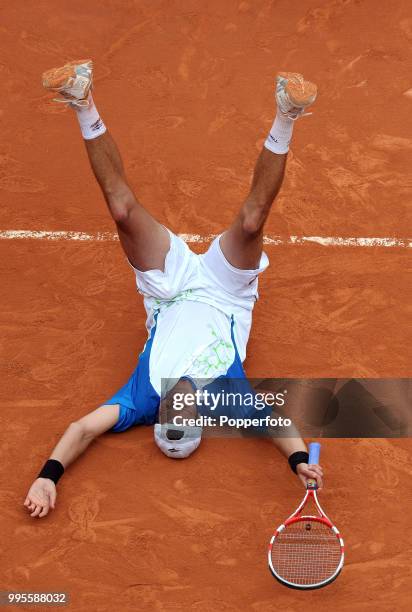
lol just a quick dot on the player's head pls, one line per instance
(173, 436)
(177, 442)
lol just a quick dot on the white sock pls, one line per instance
(280, 135)
(89, 119)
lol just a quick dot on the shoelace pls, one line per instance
(74, 102)
(298, 116)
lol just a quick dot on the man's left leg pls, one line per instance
(242, 243)
(145, 241)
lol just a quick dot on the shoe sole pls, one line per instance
(301, 93)
(55, 78)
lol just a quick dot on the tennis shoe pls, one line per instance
(73, 82)
(293, 94)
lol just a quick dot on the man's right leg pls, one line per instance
(144, 240)
(242, 243)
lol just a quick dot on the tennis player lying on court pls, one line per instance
(199, 307)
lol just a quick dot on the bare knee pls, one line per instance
(253, 217)
(120, 215)
(120, 204)
(252, 224)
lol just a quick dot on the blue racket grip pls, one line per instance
(314, 452)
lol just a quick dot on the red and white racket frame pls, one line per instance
(296, 517)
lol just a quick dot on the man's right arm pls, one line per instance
(77, 437)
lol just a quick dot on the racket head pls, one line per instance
(306, 552)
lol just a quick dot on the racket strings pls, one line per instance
(306, 553)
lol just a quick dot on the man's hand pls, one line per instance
(41, 497)
(306, 472)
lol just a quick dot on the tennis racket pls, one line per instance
(307, 551)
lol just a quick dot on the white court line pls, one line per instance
(271, 239)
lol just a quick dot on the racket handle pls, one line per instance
(314, 452)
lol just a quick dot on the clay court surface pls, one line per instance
(186, 89)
